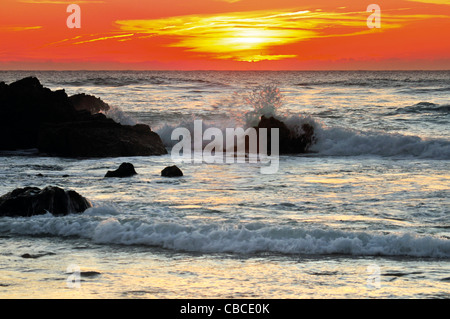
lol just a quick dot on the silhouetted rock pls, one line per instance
(30, 201)
(124, 170)
(24, 106)
(35, 256)
(32, 116)
(289, 142)
(171, 171)
(89, 103)
(99, 137)
(90, 273)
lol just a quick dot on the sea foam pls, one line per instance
(336, 141)
(339, 141)
(216, 238)
(329, 140)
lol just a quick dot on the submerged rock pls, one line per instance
(171, 171)
(30, 201)
(35, 256)
(90, 273)
(124, 170)
(32, 116)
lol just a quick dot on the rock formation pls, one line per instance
(89, 103)
(171, 171)
(124, 170)
(32, 116)
(290, 142)
(30, 201)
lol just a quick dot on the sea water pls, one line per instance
(365, 214)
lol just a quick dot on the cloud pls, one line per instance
(61, 1)
(18, 28)
(229, 1)
(105, 38)
(447, 2)
(249, 36)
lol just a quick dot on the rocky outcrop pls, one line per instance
(171, 171)
(89, 103)
(32, 116)
(30, 201)
(24, 106)
(98, 136)
(290, 142)
(124, 170)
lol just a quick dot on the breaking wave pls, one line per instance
(425, 107)
(338, 141)
(102, 225)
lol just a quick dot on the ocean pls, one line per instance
(365, 214)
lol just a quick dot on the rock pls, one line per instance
(171, 171)
(32, 116)
(30, 201)
(24, 105)
(35, 256)
(124, 170)
(289, 142)
(89, 103)
(99, 137)
(90, 273)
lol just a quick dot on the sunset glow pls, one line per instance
(214, 34)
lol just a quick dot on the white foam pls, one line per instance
(345, 142)
(216, 238)
(338, 141)
(119, 116)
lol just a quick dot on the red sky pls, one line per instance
(224, 34)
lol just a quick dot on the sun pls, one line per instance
(252, 37)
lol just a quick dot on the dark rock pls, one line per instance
(30, 201)
(90, 274)
(99, 137)
(32, 116)
(171, 171)
(289, 142)
(24, 105)
(89, 103)
(35, 256)
(124, 170)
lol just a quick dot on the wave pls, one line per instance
(329, 141)
(355, 80)
(200, 81)
(425, 107)
(365, 83)
(339, 141)
(119, 116)
(425, 90)
(112, 81)
(95, 225)
(120, 80)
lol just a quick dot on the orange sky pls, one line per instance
(224, 34)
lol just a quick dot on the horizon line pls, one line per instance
(220, 70)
